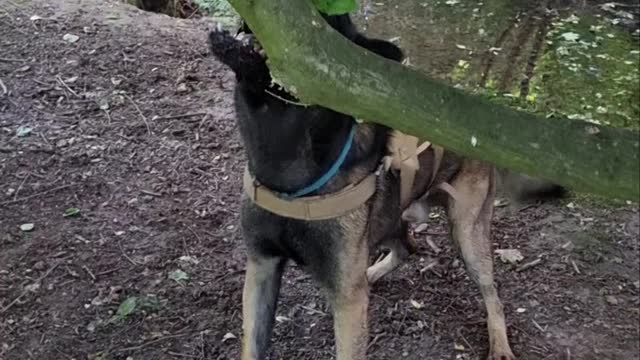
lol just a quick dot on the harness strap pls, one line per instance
(405, 151)
(320, 207)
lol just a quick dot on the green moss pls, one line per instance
(589, 71)
(221, 10)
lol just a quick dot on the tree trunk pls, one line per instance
(321, 67)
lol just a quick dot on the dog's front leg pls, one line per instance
(350, 300)
(259, 300)
(350, 320)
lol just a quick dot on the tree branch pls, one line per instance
(321, 67)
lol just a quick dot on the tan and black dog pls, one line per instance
(289, 147)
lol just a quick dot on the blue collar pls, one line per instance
(331, 173)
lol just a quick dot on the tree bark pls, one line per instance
(321, 67)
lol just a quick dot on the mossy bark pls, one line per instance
(321, 67)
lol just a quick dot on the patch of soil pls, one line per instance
(133, 125)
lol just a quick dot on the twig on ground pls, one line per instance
(575, 267)
(538, 326)
(24, 292)
(126, 256)
(9, 202)
(108, 117)
(144, 118)
(375, 340)
(63, 84)
(15, 196)
(5, 91)
(180, 116)
(233, 273)
(138, 347)
(12, 60)
(529, 265)
(85, 268)
(433, 245)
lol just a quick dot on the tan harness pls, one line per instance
(404, 151)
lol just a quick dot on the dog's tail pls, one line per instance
(522, 188)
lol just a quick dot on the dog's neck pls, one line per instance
(289, 152)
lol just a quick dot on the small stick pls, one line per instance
(433, 245)
(138, 347)
(151, 193)
(285, 100)
(12, 60)
(233, 273)
(176, 354)
(4, 88)
(144, 118)
(181, 116)
(538, 326)
(575, 267)
(59, 79)
(9, 202)
(24, 292)
(89, 272)
(15, 196)
(126, 256)
(107, 272)
(529, 265)
(375, 340)
(108, 117)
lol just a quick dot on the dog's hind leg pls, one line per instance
(259, 300)
(400, 246)
(470, 216)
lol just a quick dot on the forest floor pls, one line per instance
(120, 173)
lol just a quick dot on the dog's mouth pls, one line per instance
(248, 39)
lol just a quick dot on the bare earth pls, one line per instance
(133, 125)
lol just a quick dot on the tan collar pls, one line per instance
(404, 151)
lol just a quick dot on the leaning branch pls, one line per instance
(321, 67)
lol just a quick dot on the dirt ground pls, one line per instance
(133, 126)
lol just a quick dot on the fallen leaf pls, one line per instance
(228, 336)
(570, 36)
(27, 227)
(511, 256)
(70, 38)
(23, 131)
(178, 276)
(421, 228)
(416, 304)
(500, 202)
(611, 300)
(71, 212)
(33, 287)
(189, 259)
(125, 309)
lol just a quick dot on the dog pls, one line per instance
(289, 145)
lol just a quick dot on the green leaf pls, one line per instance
(178, 276)
(71, 212)
(27, 227)
(125, 309)
(336, 7)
